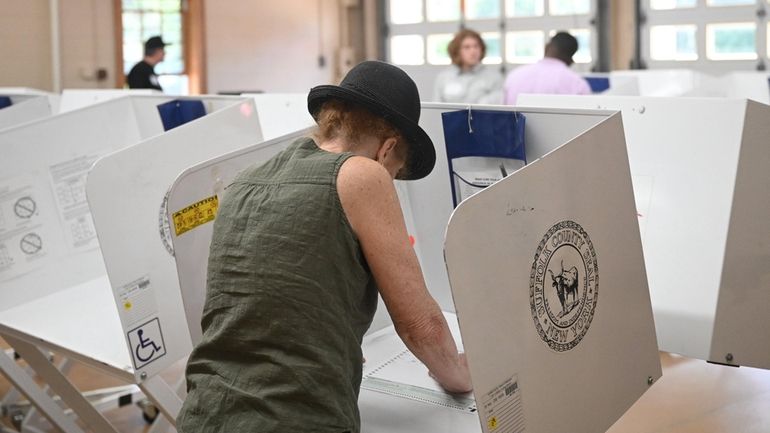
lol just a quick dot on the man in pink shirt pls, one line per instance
(550, 75)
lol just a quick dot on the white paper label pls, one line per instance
(473, 174)
(501, 409)
(137, 301)
(69, 188)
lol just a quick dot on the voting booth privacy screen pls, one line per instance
(23, 108)
(49, 242)
(47, 238)
(396, 392)
(51, 264)
(193, 201)
(135, 237)
(753, 85)
(698, 184)
(281, 113)
(547, 274)
(72, 99)
(426, 204)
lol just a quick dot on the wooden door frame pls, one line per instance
(193, 36)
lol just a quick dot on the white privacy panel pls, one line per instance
(146, 110)
(427, 203)
(25, 108)
(281, 113)
(749, 85)
(686, 82)
(200, 184)
(50, 261)
(127, 194)
(660, 82)
(21, 91)
(47, 238)
(548, 278)
(431, 198)
(684, 155)
(73, 99)
(741, 325)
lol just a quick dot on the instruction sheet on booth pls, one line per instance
(24, 235)
(68, 180)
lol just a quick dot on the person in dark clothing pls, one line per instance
(142, 75)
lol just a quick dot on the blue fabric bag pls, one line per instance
(180, 111)
(482, 133)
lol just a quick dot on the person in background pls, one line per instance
(468, 80)
(142, 75)
(551, 75)
(302, 245)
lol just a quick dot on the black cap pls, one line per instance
(386, 91)
(153, 43)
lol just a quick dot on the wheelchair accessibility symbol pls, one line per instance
(146, 343)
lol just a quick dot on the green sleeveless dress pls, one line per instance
(288, 301)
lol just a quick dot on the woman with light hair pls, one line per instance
(468, 80)
(302, 246)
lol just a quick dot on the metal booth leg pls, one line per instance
(163, 396)
(162, 423)
(42, 401)
(70, 395)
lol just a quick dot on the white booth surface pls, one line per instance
(72, 99)
(699, 168)
(657, 82)
(127, 196)
(739, 84)
(685, 82)
(26, 108)
(21, 91)
(749, 85)
(78, 322)
(281, 113)
(547, 274)
(47, 238)
(194, 192)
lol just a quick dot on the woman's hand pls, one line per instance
(461, 381)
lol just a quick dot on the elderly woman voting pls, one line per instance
(301, 247)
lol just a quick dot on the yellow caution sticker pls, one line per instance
(492, 423)
(196, 214)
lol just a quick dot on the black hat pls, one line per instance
(386, 91)
(153, 43)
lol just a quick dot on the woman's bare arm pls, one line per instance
(371, 205)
